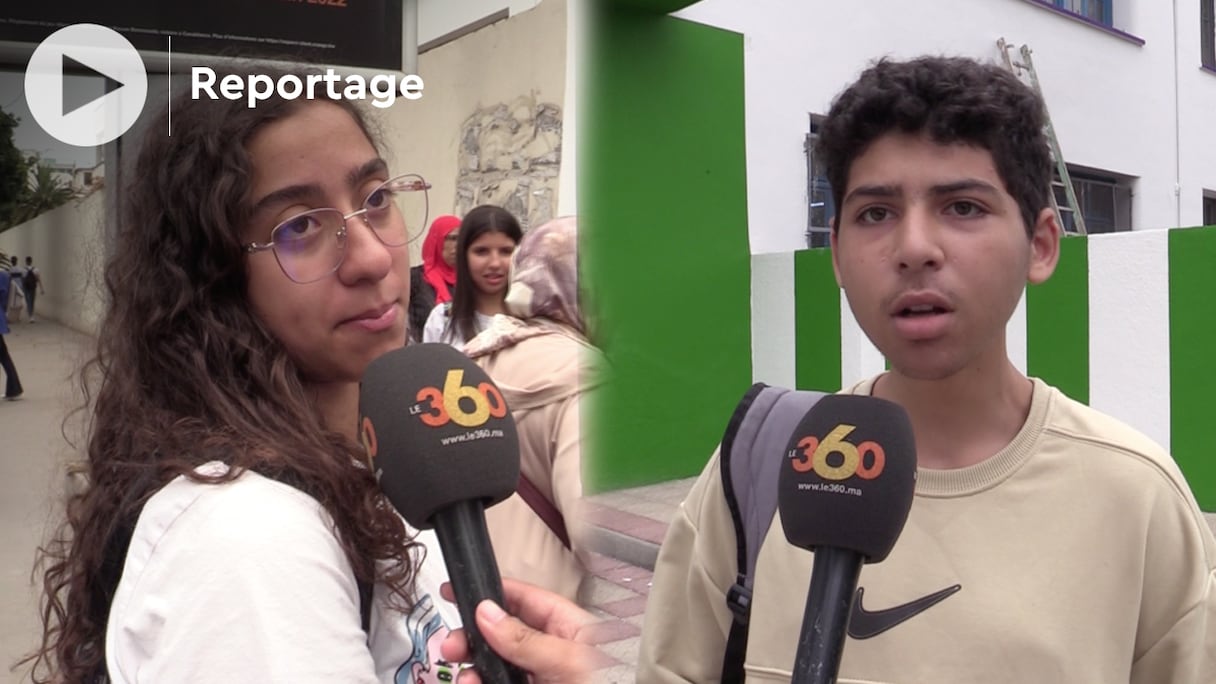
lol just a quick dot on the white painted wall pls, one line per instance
(1112, 101)
(1129, 329)
(774, 320)
(66, 244)
(437, 17)
(1195, 117)
(576, 28)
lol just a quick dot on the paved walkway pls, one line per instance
(628, 529)
(33, 452)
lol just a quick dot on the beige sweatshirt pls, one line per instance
(1081, 554)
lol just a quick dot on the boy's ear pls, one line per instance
(1044, 247)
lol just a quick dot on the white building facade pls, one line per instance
(1129, 84)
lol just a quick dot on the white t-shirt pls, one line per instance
(437, 322)
(246, 582)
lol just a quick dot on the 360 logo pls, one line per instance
(446, 406)
(815, 453)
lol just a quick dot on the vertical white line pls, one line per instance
(774, 356)
(1129, 329)
(1015, 335)
(859, 358)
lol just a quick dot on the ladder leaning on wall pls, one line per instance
(1065, 180)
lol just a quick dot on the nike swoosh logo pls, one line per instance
(864, 624)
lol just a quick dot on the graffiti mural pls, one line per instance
(510, 155)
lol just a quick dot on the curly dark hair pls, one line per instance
(480, 220)
(953, 100)
(185, 373)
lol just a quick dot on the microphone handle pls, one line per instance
(473, 572)
(824, 623)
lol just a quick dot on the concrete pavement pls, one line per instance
(33, 453)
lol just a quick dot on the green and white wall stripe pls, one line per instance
(1127, 324)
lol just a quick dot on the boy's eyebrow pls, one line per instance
(961, 185)
(294, 192)
(874, 191)
(887, 191)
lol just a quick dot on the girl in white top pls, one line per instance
(232, 529)
(488, 237)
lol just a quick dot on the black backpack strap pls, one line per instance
(750, 457)
(739, 596)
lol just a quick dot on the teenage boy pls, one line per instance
(1079, 552)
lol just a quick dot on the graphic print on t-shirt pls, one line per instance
(426, 631)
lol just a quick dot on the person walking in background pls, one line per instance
(31, 283)
(12, 383)
(488, 236)
(15, 301)
(540, 356)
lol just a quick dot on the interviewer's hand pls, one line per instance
(548, 639)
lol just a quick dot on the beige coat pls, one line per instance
(545, 380)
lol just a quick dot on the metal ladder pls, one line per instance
(1064, 180)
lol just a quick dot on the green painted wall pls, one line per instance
(664, 247)
(817, 321)
(1192, 372)
(1057, 323)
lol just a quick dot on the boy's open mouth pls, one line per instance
(920, 310)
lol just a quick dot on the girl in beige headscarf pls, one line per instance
(541, 359)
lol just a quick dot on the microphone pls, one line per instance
(845, 494)
(444, 447)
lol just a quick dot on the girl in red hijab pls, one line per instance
(438, 271)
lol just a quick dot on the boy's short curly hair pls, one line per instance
(952, 100)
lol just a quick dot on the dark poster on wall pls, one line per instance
(358, 33)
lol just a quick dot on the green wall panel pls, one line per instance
(1057, 323)
(664, 246)
(817, 325)
(1192, 372)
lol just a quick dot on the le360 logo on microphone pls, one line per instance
(449, 404)
(865, 460)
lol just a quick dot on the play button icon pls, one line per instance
(78, 118)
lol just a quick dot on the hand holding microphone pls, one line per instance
(844, 493)
(544, 633)
(444, 447)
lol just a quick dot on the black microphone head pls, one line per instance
(849, 476)
(437, 431)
